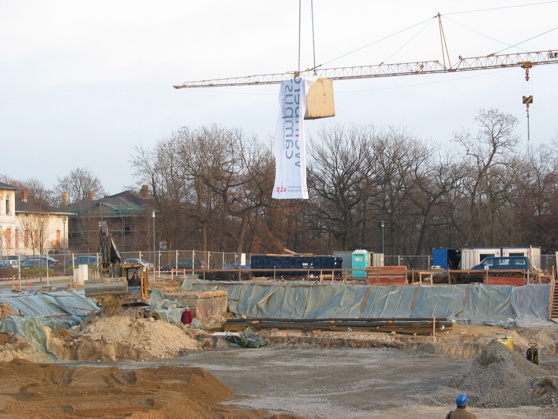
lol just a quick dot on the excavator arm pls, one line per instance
(111, 260)
(116, 279)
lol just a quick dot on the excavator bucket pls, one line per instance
(105, 287)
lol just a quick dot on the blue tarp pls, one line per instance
(474, 303)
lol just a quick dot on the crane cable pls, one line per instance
(300, 33)
(299, 30)
(527, 100)
(313, 38)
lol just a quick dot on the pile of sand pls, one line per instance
(54, 391)
(500, 377)
(155, 339)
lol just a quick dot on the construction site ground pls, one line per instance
(120, 367)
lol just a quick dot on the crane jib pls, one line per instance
(491, 61)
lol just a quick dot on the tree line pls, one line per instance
(370, 188)
(213, 186)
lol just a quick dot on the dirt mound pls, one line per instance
(169, 285)
(18, 347)
(125, 338)
(148, 337)
(545, 337)
(500, 377)
(28, 389)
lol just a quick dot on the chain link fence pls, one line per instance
(199, 260)
(218, 260)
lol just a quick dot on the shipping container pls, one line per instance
(281, 265)
(533, 253)
(454, 258)
(472, 257)
(446, 258)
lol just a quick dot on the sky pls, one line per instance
(83, 83)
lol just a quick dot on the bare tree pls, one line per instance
(339, 172)
(434, 183)
(38, 228)
(35, 188)
(534, 199)
(162, 169)
(79, 183)
(488, 155)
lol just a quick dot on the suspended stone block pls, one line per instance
(319, 100)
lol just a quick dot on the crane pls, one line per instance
(525, 60)
(492, 61)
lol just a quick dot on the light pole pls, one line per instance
(382, 225)
(153, 216)
(64, 243)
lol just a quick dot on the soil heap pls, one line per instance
(500, 377)
(124, 338)
(47, 390)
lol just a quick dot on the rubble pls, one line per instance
(501, 377)
(122, 337)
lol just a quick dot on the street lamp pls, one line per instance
(382, 225)
(153, 216)
(64, 242)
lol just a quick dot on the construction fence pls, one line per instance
(196, 260)
(220, 260)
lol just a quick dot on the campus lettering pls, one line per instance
(291, 121)
(290, 154)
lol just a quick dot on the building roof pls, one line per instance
(30, 206)
(123, 204)
(7, 187)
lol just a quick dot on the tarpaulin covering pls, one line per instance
(246, 339)
(169, 309)
(474, 303)
(34, 310)
(63, 308)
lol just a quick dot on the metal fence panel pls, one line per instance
(218, 260)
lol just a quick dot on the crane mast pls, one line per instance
(492, 61)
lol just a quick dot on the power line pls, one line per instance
(444, 15)
(501, 8)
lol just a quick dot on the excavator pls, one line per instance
(127, 283)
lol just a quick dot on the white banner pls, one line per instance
(290, 142)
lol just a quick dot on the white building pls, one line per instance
(29, 226)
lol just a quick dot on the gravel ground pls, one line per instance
(362, 383)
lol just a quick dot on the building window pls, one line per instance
(7, 207)
(8, 235)
(16, 238)
(58, 236)
(26, 237)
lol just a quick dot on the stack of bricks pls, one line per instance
(386, 275)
